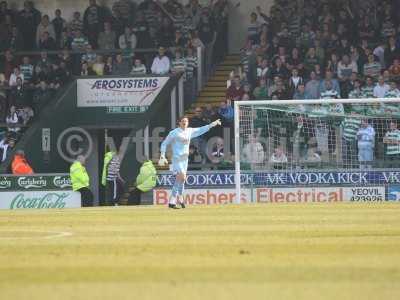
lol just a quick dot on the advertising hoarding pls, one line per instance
(276, 195)
(39, 199)
(138, 93)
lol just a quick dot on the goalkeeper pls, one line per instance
(179, 139)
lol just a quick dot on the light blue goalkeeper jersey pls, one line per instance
(180, 141)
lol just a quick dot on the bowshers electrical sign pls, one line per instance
(136, 93)
(277, 195)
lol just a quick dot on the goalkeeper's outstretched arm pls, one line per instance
(201, 130)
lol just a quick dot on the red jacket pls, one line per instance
(20, 166)
(234, 93)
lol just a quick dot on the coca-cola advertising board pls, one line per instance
(40, 200)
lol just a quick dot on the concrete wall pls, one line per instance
(238, 21)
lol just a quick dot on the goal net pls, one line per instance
(291, 136)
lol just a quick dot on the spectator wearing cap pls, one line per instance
(161, 64)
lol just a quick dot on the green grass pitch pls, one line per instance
(321, 251)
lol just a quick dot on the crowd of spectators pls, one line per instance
(42, 52)
(311, 49)
(301, 45)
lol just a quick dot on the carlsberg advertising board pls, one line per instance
(36, 182)
(38, 192)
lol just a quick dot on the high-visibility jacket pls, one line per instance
(147, 177)
(79, 176)
(20, 166)
(107, 158)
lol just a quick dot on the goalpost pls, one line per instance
(302, 135)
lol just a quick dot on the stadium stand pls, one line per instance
(41, 54)
(289, 53)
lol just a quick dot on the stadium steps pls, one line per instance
(217, 84)
(215, 89)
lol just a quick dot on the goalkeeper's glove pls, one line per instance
(216, 123)
(162, 161)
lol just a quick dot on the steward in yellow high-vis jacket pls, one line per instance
(80, 180)
(145, 181)
(107, 158)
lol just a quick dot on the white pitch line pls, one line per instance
(59, 234)
(53, 234)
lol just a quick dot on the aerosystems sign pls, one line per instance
(25, 183)
(276, 195)
(119, 94)
(39, 199)
(276, 179)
